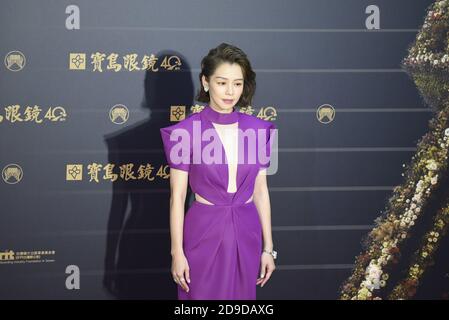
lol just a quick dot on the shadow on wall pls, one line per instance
(137, 258)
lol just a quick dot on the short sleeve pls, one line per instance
(270, 136)
(176, 142)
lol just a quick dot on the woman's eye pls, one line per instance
(239, 84)
(220, 83)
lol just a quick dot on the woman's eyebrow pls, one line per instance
(227, 78)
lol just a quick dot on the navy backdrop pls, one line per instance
(86, 85)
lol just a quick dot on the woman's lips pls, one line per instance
(228, 100)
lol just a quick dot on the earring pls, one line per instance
(206, 89)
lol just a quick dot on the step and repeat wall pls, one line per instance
(86, 85)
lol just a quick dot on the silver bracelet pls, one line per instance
(273, 253)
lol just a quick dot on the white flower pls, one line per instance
(367, 284)
(363, 294)
(432, 165)
(373, 276)
(434, 180)
(446, 132)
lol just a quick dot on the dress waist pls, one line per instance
(201, 200)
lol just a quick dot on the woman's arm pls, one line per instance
(178, 191)
(262, 202)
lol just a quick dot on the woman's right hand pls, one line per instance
(180, 270)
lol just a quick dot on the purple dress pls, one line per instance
(222, 242)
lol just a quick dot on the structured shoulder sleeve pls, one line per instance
(269, 138)
(177, 145)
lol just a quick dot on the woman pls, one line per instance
(217, 248)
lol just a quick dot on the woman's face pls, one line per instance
(225, 86)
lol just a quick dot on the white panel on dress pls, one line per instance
(228, 134)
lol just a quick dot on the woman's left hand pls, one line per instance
(266, 268)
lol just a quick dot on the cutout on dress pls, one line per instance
(228, 136)
(202, 200)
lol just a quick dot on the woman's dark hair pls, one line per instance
(228, 53)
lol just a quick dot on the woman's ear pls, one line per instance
(204, 81)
